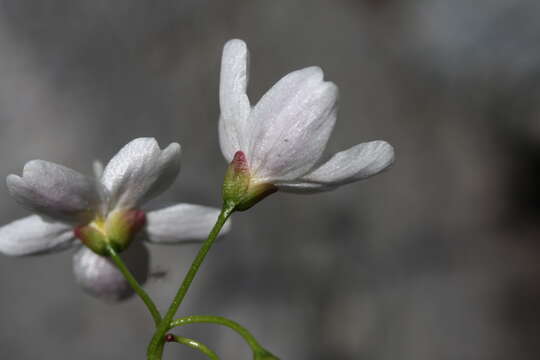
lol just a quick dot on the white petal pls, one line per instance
(34, 235)
(291, 124)
(99, 277)
(301, 187)
(357, 163)
(55, 191)
(233, 100)
(182, 222)
(140, 171)
(98, 169)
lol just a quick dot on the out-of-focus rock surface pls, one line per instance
(438, 258)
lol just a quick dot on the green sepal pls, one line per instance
(93, 238)
(255, 194)
(121, 227)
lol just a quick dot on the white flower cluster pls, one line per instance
(277, 144)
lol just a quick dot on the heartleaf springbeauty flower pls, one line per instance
(101, 211)
(278, 144)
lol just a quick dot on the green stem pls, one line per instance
(196, 345)
(242, 331)
(159, 335)
(134, 284)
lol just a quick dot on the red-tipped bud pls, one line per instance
(239, 189)
(169, 338)
(237, 179)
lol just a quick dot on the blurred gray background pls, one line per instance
(437, 258)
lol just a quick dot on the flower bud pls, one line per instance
(169, 338)
(239, 189)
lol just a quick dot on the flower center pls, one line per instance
(117, 230)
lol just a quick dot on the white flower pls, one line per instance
(282, 137)
(68, 203)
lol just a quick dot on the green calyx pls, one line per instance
(239, 190)
(116, 231)
(93, 238)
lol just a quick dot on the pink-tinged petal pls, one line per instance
(233, 100)
(291, 124)
(99, 277)
(55, 191)
(182, 223)
(34, 235)
(357, 163)
(140, 171)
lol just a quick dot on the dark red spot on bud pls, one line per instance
(78, 232)
(169, 338)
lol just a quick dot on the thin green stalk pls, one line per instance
(195, 345)
(159, 335)
(134, 284)
(242, 331)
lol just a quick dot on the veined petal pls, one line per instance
(99, 277)
(34, 235)
(233, 100)
(357, 163)
(291, 124)
(140, 171)
(182, 222)
(55, 191)
(104, 196)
